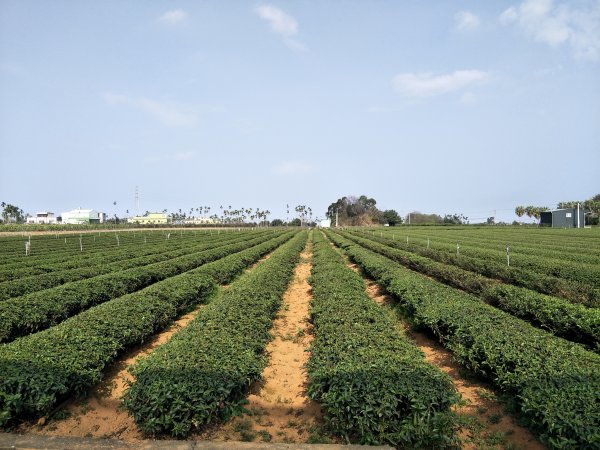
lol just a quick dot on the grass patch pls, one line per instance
(265, 436)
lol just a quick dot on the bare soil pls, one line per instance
(279, 408)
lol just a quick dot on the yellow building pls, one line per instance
(150, 218)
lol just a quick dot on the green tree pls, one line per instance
(520, 211)
(354, 211)
(416, 218)
(12, 213)
(538, 210)
(302, 212)
(391, 217)
(455, 219)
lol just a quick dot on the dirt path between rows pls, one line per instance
(279, 408)
(101, 415)
(484, 421)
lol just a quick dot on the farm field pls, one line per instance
(409, 337)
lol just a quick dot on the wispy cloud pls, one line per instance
(293, 168)
(559, 24)
(428, 85)
(170, 157)
(173, 17)
(281, 24)
(279, 21)
(466, 21)
(166, 113)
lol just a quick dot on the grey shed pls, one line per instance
(563, 218)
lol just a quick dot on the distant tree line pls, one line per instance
(418, 218)
(363, 211)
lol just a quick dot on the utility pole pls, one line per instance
(137, 201)
(336, 218)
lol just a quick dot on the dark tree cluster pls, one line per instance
(359, 211)
(12, 213)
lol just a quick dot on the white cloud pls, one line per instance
(466, 21)
(559, 24)
(170, 157)
(281, 24)
(293, 168)
(166, 113)
(174, 17)
(428, 85)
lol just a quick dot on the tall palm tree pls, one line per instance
(519, 211)
(529, 211)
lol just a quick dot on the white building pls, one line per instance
(42, 217)
(325, 223)
(201, 221)
(80, 216)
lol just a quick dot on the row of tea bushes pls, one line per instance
(559, 316)
(38, 371)
(371, 381)
(204, 371)
(40, 310)
(555, 384)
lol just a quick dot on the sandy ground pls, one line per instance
(484, 421)
(279, 408)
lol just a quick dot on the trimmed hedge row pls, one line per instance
(562, 318)
(555, 383)
(37, 311)
(44, 259)
(38, 371)
(104, 247)
(546, 282)
(203, 372)
(99, 265)
(539, 263)
(522, 244)
(372, 382)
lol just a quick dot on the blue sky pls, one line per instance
(442, 107)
